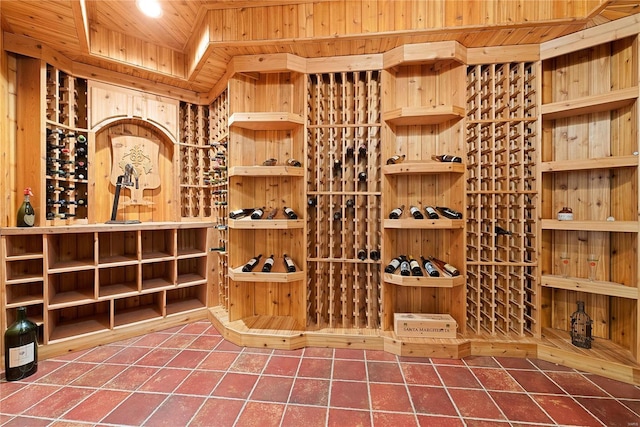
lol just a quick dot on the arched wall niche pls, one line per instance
(157, 204)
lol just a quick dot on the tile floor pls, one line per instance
(189, 375)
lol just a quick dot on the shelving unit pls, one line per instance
(92, 279)
(343, 205)
(266, 122)
(423, 113)
(589, 162)
(502, 191)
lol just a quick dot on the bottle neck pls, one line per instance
(22, 314)
(26, 198)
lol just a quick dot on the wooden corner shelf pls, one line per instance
(583, 225)
(425, 281)
(408, 116)
(590, 104)
(265, 171)
(266, 224)
(598, 287)
(424, 167)
(266, 120)
(589, 164)
(257, 276)
(425, 53)
(412, 223)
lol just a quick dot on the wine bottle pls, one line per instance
(337, 166)
(251, 263)
(405, 267)
(220, 203)
(449, 213)
(351, 203)
(374, 254)
(81, 139)
(270, 162)
(429, 268)
(350, 151)
(272, 214)
(81, 151)
(257, 213)
(447, 158)
(416, 212)
(312, 202)
(396, 159)
(393, 265)
(362, 150)
(337, 215)
(362, 176)
(293, 162)
(396, 213)
(218, 249)
(431, 213)
(501, 231)
(222, 227)
(362, 254)
(26, 214)
(240, 213)
(290, 213)
(268, 264)
(288, 264)
(21, 347)
(444, 266)
(415, 267)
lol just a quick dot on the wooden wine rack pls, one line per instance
(502, 287)
(344, 205)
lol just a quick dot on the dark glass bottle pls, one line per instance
(416, 212)
(449, 213)
(444, 266)
(251, 263)
(257, 213)
(431, 213)
(268, 264)
(293, 162)
(312, 202)
(393, 265)
(26, 214)
(501, 231)
(447, 158)
(351, 203)
(429, 268)
(362, 150)
(337, 215)
(240, 213)
(396, 213)
(405, 267)
(362, 254)
(21, 347)
(415, 267)
(290, 213)
(362, 177)
(375, 254)
(396, 159)
(288, 264)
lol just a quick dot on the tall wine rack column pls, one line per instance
(67, 149)
(501, 199)
(218, 181)
(344, 199)
(423, 113)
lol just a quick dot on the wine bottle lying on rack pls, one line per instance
(257, 213)
(431, 213)
(396, 159)
(415, 211)
(268, 264)
(415, 267)
(405, 266)
(240, 213)
(290, 213)
(429, 268)
(396, 213)
(251, 263)
(445, 266)
(393, 265)
(447, 158)
(288, 264)
(449, 213)
(293, 162)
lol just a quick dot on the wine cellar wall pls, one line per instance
(502, 293)
(343, 199)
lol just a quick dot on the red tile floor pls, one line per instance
(189, 375)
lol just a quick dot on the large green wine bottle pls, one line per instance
(26, 214)
(21, 348)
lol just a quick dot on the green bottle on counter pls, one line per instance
(21, 348)
(26, 214)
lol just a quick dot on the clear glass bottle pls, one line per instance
(581, 325)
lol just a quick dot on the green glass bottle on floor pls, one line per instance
(21, 348)
(26, 214)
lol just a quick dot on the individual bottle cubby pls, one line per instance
(23, 270)
(501, 198)
(23, 246)
(191, 242)
(70, 251)
(120, 280)
(71, 288)
(25, 293)
(117, 247)
(157, 244)
(71, 322)
(136, 309)
(158, 274)
(192, 270)
(186, 299)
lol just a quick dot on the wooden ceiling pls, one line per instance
(189, 47)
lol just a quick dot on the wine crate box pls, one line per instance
(425, 325)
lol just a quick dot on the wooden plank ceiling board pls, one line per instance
(190, 45)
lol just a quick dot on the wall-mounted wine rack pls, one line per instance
(67, 148)
(502, 287)
(344, 199)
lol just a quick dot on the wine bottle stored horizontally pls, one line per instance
(405, 267)
(393, 265)
(415, 211)
(445, 266)
(431, 212)
(362, 150)
(393, 160)
(351, 203)
(337, 215)
(312, 202)
(21, 347)
(240, 213)
(293, 162)
(251, 263)
(396, 213)
(362, 254)
(374, 254)
(447, 158)
(362, 176)
(268, 264)
(429, 268)
(501, 231)
(415, 267)
(288, 264)
(449, 213)
(26, 214)
(290, 213)
(257, 213)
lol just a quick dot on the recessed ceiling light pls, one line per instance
(151, 8)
